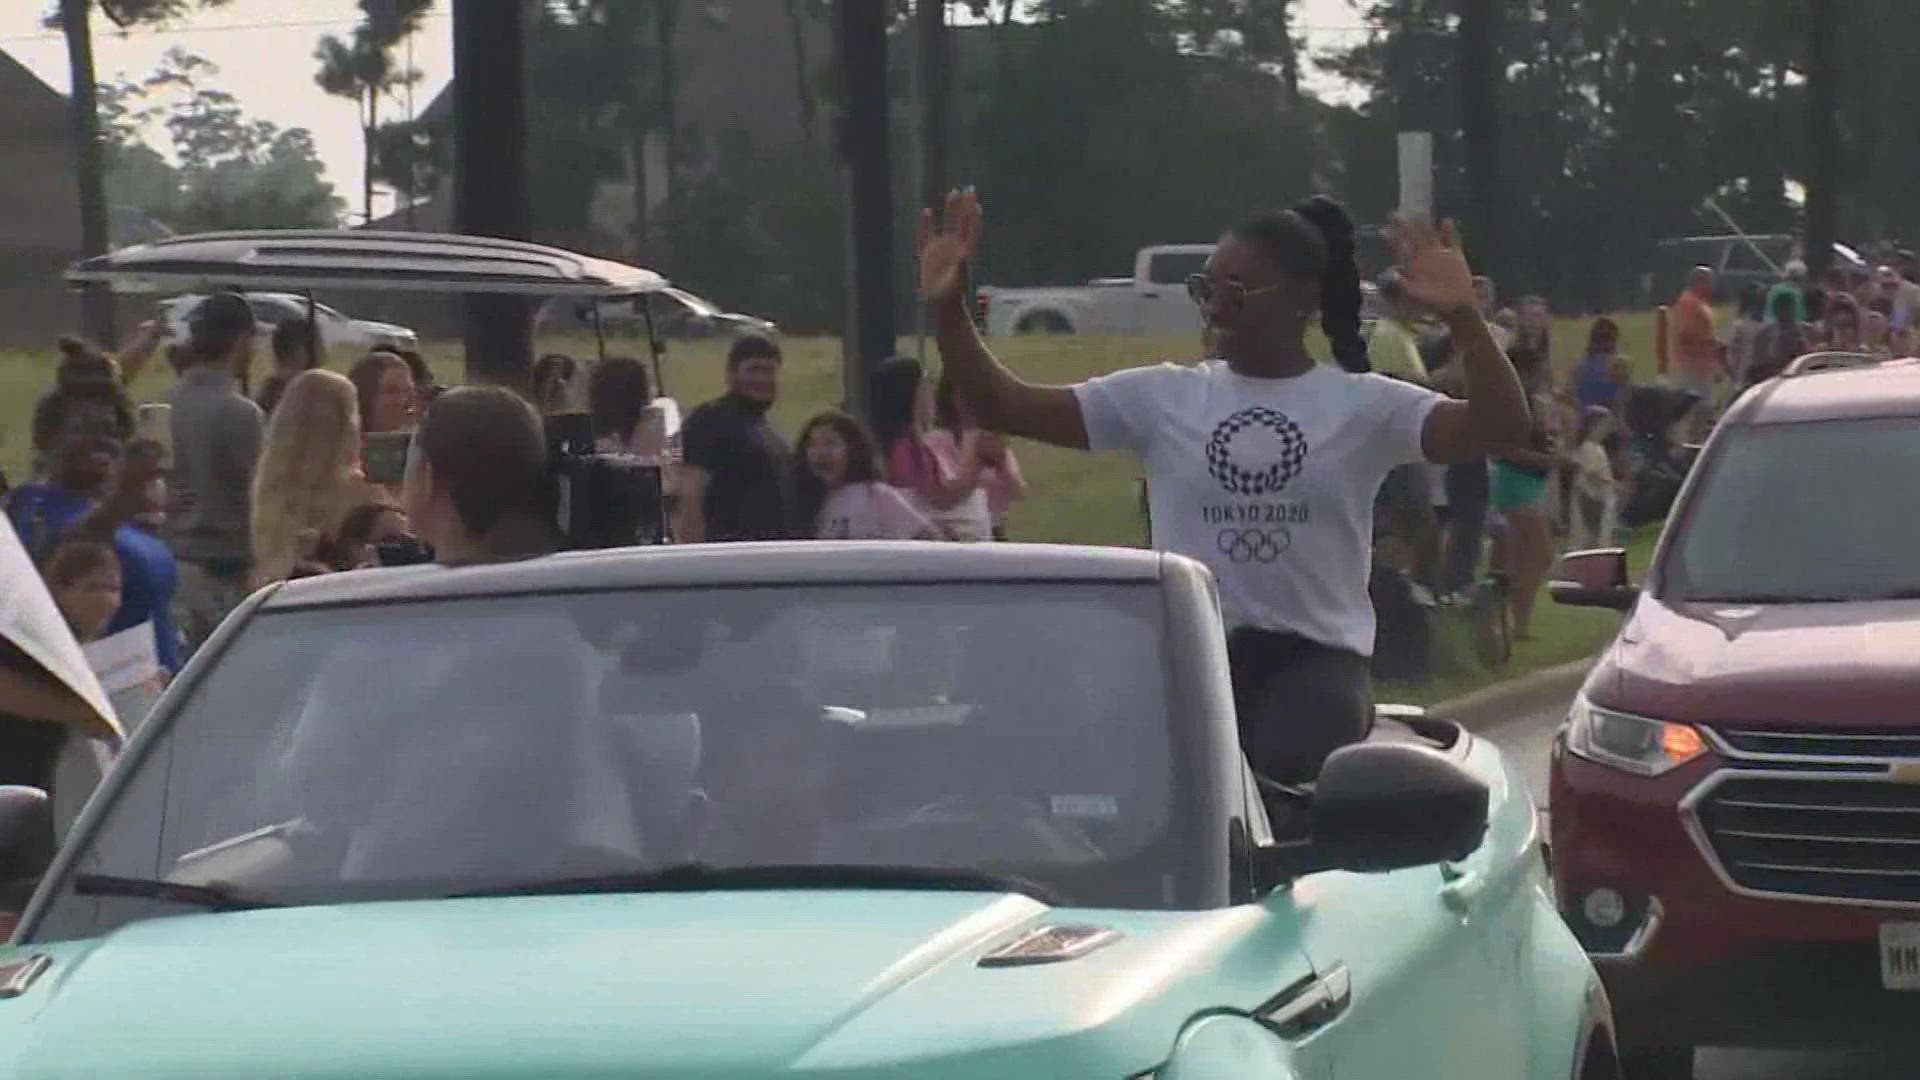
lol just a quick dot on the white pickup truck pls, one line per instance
(1153, 301)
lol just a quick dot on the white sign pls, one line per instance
(1416, 175)
(125, 660)
(1900, 956)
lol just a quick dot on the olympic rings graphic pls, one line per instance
(1254, 545)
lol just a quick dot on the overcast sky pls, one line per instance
(264, 49)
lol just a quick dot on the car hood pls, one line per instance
(1786, 665)
(668, 985)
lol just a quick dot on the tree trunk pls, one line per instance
(862, 26)
(1823, 133)
(96, 301)
(366, 152)
(1480, 130)
(490, 174)
(667, 27)
(803, 77)
(936, 98)
(1289, 53)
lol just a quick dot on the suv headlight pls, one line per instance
(1631, 743)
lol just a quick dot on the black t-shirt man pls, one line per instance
(744, 466)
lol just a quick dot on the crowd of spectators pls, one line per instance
(159, 519)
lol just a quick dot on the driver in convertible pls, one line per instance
(771, 805)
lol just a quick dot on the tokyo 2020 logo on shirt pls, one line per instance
(1256, 451)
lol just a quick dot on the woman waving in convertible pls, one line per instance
(1264, 464)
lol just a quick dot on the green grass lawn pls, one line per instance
(1076, 497)
(1560, 635)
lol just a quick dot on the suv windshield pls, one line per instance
(447, 747)
(1804, 512)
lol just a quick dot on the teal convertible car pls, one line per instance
(754, 811)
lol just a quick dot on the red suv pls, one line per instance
(1735, 805)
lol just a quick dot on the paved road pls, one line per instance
(1527, 739)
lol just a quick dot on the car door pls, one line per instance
(1409, 950)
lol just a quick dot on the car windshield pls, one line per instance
(438, 748)
(1804, 512)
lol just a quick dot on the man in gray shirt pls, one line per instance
(216, 441)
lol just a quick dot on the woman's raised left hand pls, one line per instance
(1430, 268)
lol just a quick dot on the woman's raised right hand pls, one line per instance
(948, 244)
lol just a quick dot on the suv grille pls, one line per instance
(1822, 744)
(1846, 837)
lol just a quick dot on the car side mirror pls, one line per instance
(1594, 579)
(26, 832)
(1384, 806)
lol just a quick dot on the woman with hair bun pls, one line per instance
(1263, 464)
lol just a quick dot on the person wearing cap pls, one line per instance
(1902, 293)
(1795, 286)
(1698, 355)
(216, 442)
(293, 354)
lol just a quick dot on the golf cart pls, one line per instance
(304, 261)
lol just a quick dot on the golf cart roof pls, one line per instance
(281, 259)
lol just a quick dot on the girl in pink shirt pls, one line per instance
(945, 487)
(1000, 478)
(838, 491)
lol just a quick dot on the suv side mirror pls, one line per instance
(26, 832)
(1384, 806)
(1594, 579)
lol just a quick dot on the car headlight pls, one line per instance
(1631, 743)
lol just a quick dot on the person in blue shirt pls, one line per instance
(1602, 377)
(88, 487)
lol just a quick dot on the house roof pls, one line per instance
(37, 186)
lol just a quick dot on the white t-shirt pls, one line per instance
(1595, 478)
(871, 512)
(1270, 482)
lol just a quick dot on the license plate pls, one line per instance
(1900, 956)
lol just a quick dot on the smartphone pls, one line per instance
(385, 457)
(402, 551)
(1416, 175)
(155, 421)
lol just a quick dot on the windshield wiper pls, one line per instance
(700, 877)
(211, 897)
(1770, 598)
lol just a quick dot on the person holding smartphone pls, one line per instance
(309, 477)
(1263, 464)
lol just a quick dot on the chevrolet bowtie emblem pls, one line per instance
(1904, 772)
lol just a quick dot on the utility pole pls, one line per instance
(935, 85)
(861, 30)
(96, 301)
(1823, 134)
(1480, 128)
(490, 174)
(936, 98)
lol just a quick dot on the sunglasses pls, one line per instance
(1201, 289)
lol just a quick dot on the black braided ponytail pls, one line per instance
(1314, 240)
(1339, 282)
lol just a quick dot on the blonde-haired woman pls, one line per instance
(309, 474)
